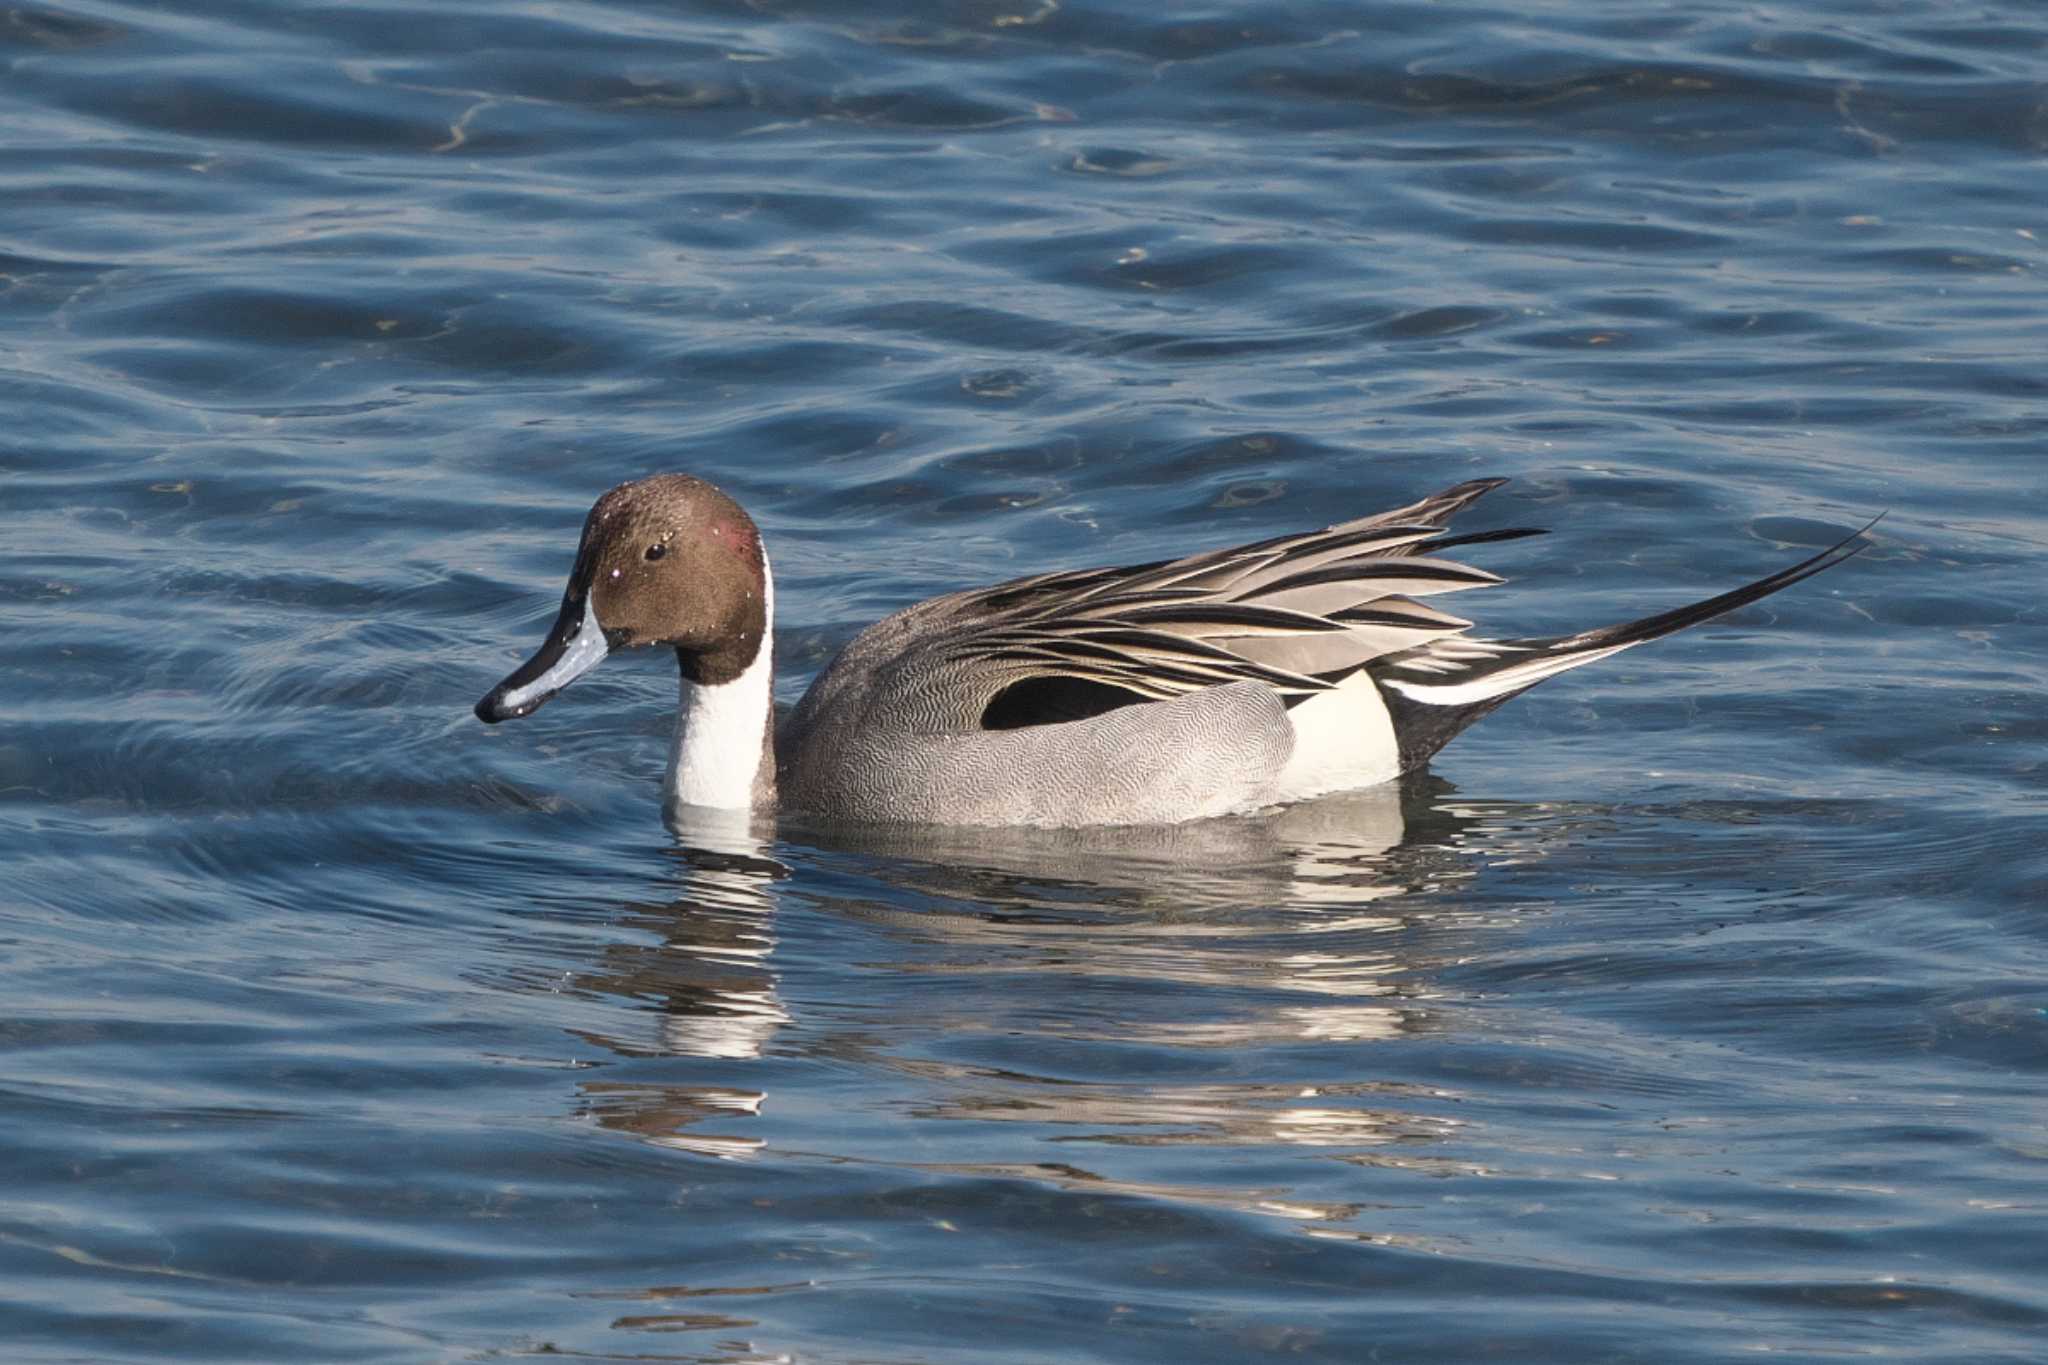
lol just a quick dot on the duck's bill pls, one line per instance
(575, 645)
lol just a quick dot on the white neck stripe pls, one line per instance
(721, 728)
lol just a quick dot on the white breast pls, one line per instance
(719, 744)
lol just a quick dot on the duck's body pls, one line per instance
(1154, 693)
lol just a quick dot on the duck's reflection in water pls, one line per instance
(1092, 983)
(1319, 921)
(710, 979)
(1236, 984)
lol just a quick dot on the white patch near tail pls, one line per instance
(1343, 739)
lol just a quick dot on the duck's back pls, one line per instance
(1125, 695)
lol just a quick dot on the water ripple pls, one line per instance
(1691, 1000)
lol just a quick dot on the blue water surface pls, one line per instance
(1694, 1007)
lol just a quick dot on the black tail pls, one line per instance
(1436, 690)
(1678, 618)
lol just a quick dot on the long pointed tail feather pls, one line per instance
(1435, 691)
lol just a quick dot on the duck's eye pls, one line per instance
(655, 552)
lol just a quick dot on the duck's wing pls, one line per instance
(1298, 614)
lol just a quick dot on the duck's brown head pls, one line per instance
(667, 560)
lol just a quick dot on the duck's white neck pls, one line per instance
(721, 740)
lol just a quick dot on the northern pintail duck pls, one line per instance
(1153, 693)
